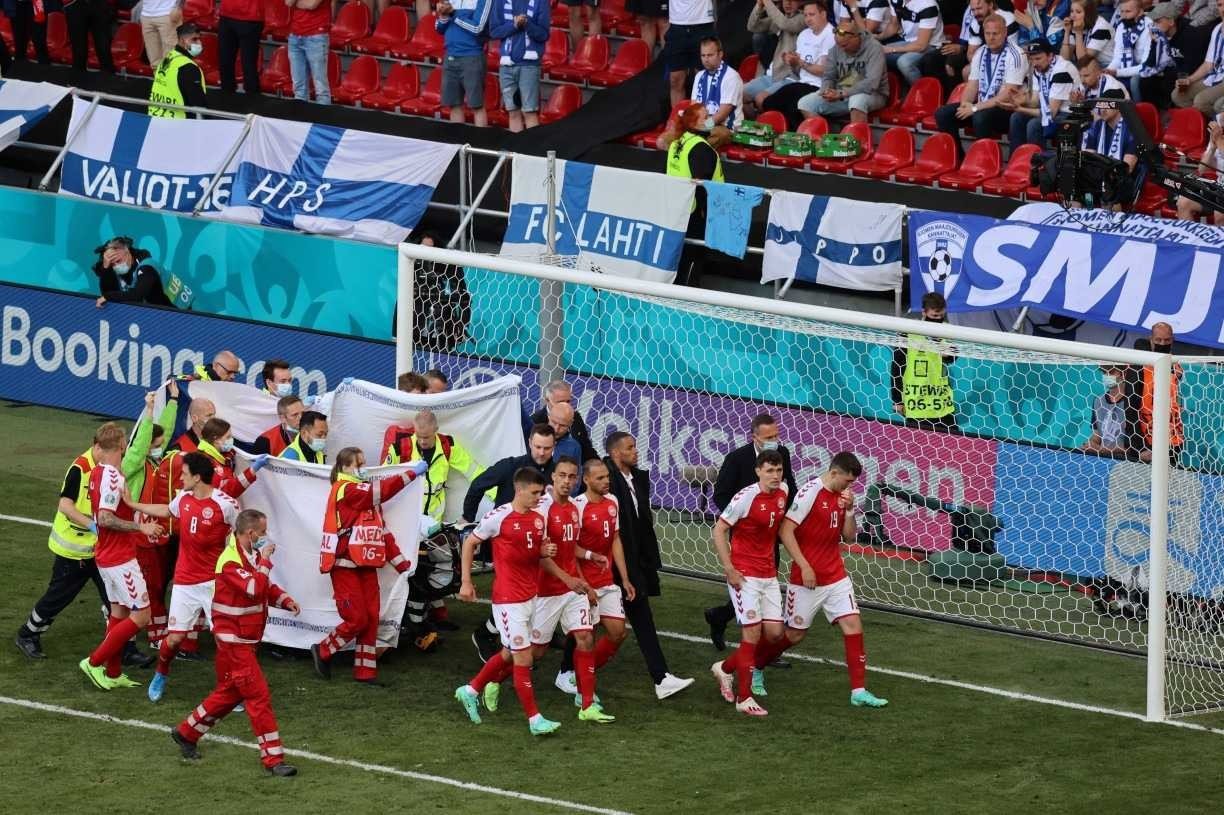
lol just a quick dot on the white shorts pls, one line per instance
(514, 622)
(759, 599)
(611, 603)
(125, 584)
(186, 605)
(835, 599)
(572, 610)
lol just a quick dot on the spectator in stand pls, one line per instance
(238, 31)
(1203, 14)
(437, 381)
(689, 22)
(855, 79)
(159, 22)
(809, 58)
(651, 18)
(1109, 435)
(25, 28)
(177, 79)
(124, 277)
(464, 25)
(1035, 119)
(996, 78)
(1185, 49)
(720, 90)
(1141, 55)
(782, 25)
(1094, 82)
(575, 20)
(309, 41)
(1211, 160)
(1086, 33)
(915, 28)
(869, 16)
(986, 8)
(1043, 20)
(522, 26)
(89, 18)
(1203, 88)
(950, 62)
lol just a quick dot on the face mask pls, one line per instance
(195, 49)
(1163, 348)
(1110, 381)
(156, 455)
(283, 388)
(290, 430)
(934, 319)
(121, 268)
(318, 445)
(769, 445)
(226, 445)
(362, 473)
(259, 543)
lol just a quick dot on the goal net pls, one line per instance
(999, 519)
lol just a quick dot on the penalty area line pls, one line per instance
(319, 757)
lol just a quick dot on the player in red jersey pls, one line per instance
(815, 526)
(517, 535)
(751, 521)
(115, 555)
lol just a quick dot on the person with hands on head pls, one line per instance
(124, 277)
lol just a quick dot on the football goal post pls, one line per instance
(1001, 521)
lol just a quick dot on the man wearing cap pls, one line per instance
(1141, 56)
(1111, 137)
(855, 81)
(1053, 78)
(1205, 86)
(1185, 46)
(177, 79)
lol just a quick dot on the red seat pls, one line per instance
(494, 109)
(394, 30)
(209, 59)
(631, 59)
(493, 55)
(352, 24)
(276, 78)
(333, 74)
(1186, 131)
(894, 94)
(6, 32)
(127, 50)
(938, 156)
(613, 15)
(201, 12)
(1150, 118)
(1151, 199)
(862, 132)
(896, 150)
(1015, 178)
(404, 82)
(556, 52)
(564, 100)
(276, 20)
(591, 56)
(648, 138)
(426, 42)
(361, 79)
(429, 102)
(928, 122)
(757, 155)
(982, 161)
(58, 45)
(924, 96)
(815, 127)
(748, 68)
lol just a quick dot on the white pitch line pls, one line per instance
(21, 520)
(325, 759)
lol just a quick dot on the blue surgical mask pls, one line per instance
(769, 445)
(155, 455)
(195, 49)
(283, 388)
(121, 268)
(259, 543)
(318, 445)
(226, 445)
(1110, 381)
(363, 474)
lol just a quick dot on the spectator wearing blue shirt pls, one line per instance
(522, 26)
(464, 26)
(1043, 20)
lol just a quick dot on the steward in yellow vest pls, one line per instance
(921, 386)
(178, 80)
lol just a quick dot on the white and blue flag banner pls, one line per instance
(982, 264)
(620, 222)
(833, 242)
(23, 104)
(146, 161)
(332, 181)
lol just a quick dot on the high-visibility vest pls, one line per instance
(276, 440)
(1148, 405)
(303, 453)
(405, 449)
(926, 392)
(67, 539)
(678, 158)
(166, 86)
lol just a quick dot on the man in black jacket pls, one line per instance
(500, 477)
(631, 487)
(738, 470)
(560, 391)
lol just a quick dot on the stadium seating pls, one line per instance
(982, 161)
(361, 79)
(1186, 132)
(276, 20)
(1015, 178)
(757, 155)
(201, 12)
(591, 56)
(127, 50)
(862, 132)
(894, 95)
(6, 32)
(429, 102)
(58, 46)
(815, 127)
(1150, 117)
(631, 59)
(923, 97)
(938, 156)
(352, 24)
(928, 122)
(426, 43)
(896, 150)
(556, 52)
(648, 138)
(615, 17)
(748, 68)
(333, 74)
(404, 82)
(394, 30)
(493, 54)
(209, 60)
(1151, 198)
(276, 77)
(564, 100)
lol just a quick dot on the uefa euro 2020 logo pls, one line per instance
(941, 249)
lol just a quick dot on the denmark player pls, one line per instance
(516, 533)
(563, 595)
(821, 517)
(751, 523)
(115, 555)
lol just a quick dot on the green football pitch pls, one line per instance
(978, 722)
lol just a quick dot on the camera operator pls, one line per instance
(124, 277)
(1213, 159)
(1109, 136)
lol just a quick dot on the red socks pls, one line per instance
(492, 671)
(584, 670)
(165, 655)
(767, 652)
(522, 687)
(740, 663)
(856, 660)
(110, 651)
(605, 649)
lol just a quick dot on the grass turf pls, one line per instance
(934, 749)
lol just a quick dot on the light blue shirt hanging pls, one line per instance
(728, 216)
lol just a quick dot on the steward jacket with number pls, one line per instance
(897, 375)
(359, 504)
(242, 592)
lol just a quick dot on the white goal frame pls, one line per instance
(551, 339)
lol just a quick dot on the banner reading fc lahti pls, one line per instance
(983, 264)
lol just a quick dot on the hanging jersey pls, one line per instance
(754, 517)
(516, 538)
(204, 526)
(561, 523)
(600, 525)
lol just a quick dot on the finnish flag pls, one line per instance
(616, 221)
(23, 104)
(332, 181)
(833, 242)
(146, 161)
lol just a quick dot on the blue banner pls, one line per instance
(59, 350)
(981, 264)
